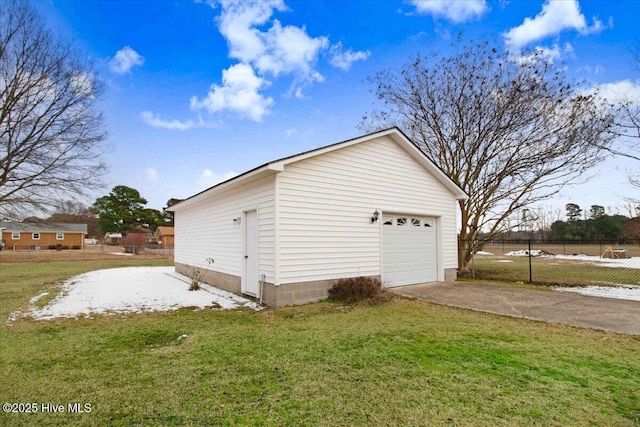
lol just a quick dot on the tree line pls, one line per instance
(594, 224)
(579, 224)
(122, 211)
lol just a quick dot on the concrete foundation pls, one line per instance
(282, 295)
(450, 274)
(227, 282)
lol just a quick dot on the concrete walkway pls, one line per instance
(537, 304)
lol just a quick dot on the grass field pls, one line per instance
(402, 363)
(551, 271)
(89, 253)
(594, 249)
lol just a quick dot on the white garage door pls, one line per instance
(408, 250)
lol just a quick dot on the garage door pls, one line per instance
(408, 250)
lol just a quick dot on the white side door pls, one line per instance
(250, 283)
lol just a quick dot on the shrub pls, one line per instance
(52, 247)
(134, 242)
(359, 289)
(76, 247)
(195, 277)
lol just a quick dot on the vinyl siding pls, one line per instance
(325, 203)
(206, 230)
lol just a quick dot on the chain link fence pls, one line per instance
(554, 262)
(21, 253)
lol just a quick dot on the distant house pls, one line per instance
(165, 236)
(113, 239)
(18, 235)
(149, 235)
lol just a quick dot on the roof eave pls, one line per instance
(237, 181)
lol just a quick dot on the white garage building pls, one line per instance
(284, 231)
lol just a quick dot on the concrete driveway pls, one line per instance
(537, 304)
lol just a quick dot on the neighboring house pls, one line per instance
(19, 235)
(285, 231)
(149, 235)
(165, 236)
(112, 239)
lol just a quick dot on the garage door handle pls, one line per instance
(246, 256)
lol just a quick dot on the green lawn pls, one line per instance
(401, 363)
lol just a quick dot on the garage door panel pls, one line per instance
(409, 250)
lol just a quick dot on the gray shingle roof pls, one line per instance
(43, 228)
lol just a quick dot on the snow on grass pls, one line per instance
(483, 253)
(603, 262)
(628, 292)
(132, 290)
(525, 252)
(38, 297)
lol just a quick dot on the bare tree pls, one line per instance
(627, 113)
(51, 133)
(510, 132)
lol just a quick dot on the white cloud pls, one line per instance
(266, 50)
(344, 59)
(555, 17)
(548, 54)
(622, 91)
(83, 82)
(238, 93)
(238, 21)
(151, 175)
(155, 121)
(278, 50)
(598, 69)
(291, 50)
(125, 59)
(208, 178)
(453, 10)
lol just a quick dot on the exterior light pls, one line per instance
(374, 216)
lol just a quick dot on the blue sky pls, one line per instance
(197, 91)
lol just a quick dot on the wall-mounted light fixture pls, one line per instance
(237, 220)
(374, 216)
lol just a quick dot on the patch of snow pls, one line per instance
(525, 252)
(37, 297)
(483, 253)
(628, 292)
(132, 290)
(503, 260)
(603, 262)
(122, 253)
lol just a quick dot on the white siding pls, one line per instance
(325, 203)
(207, 230)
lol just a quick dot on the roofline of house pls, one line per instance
(275, 166)
(25, 227)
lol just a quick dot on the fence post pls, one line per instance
(530, 270)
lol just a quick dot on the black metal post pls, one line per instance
(530, 271)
